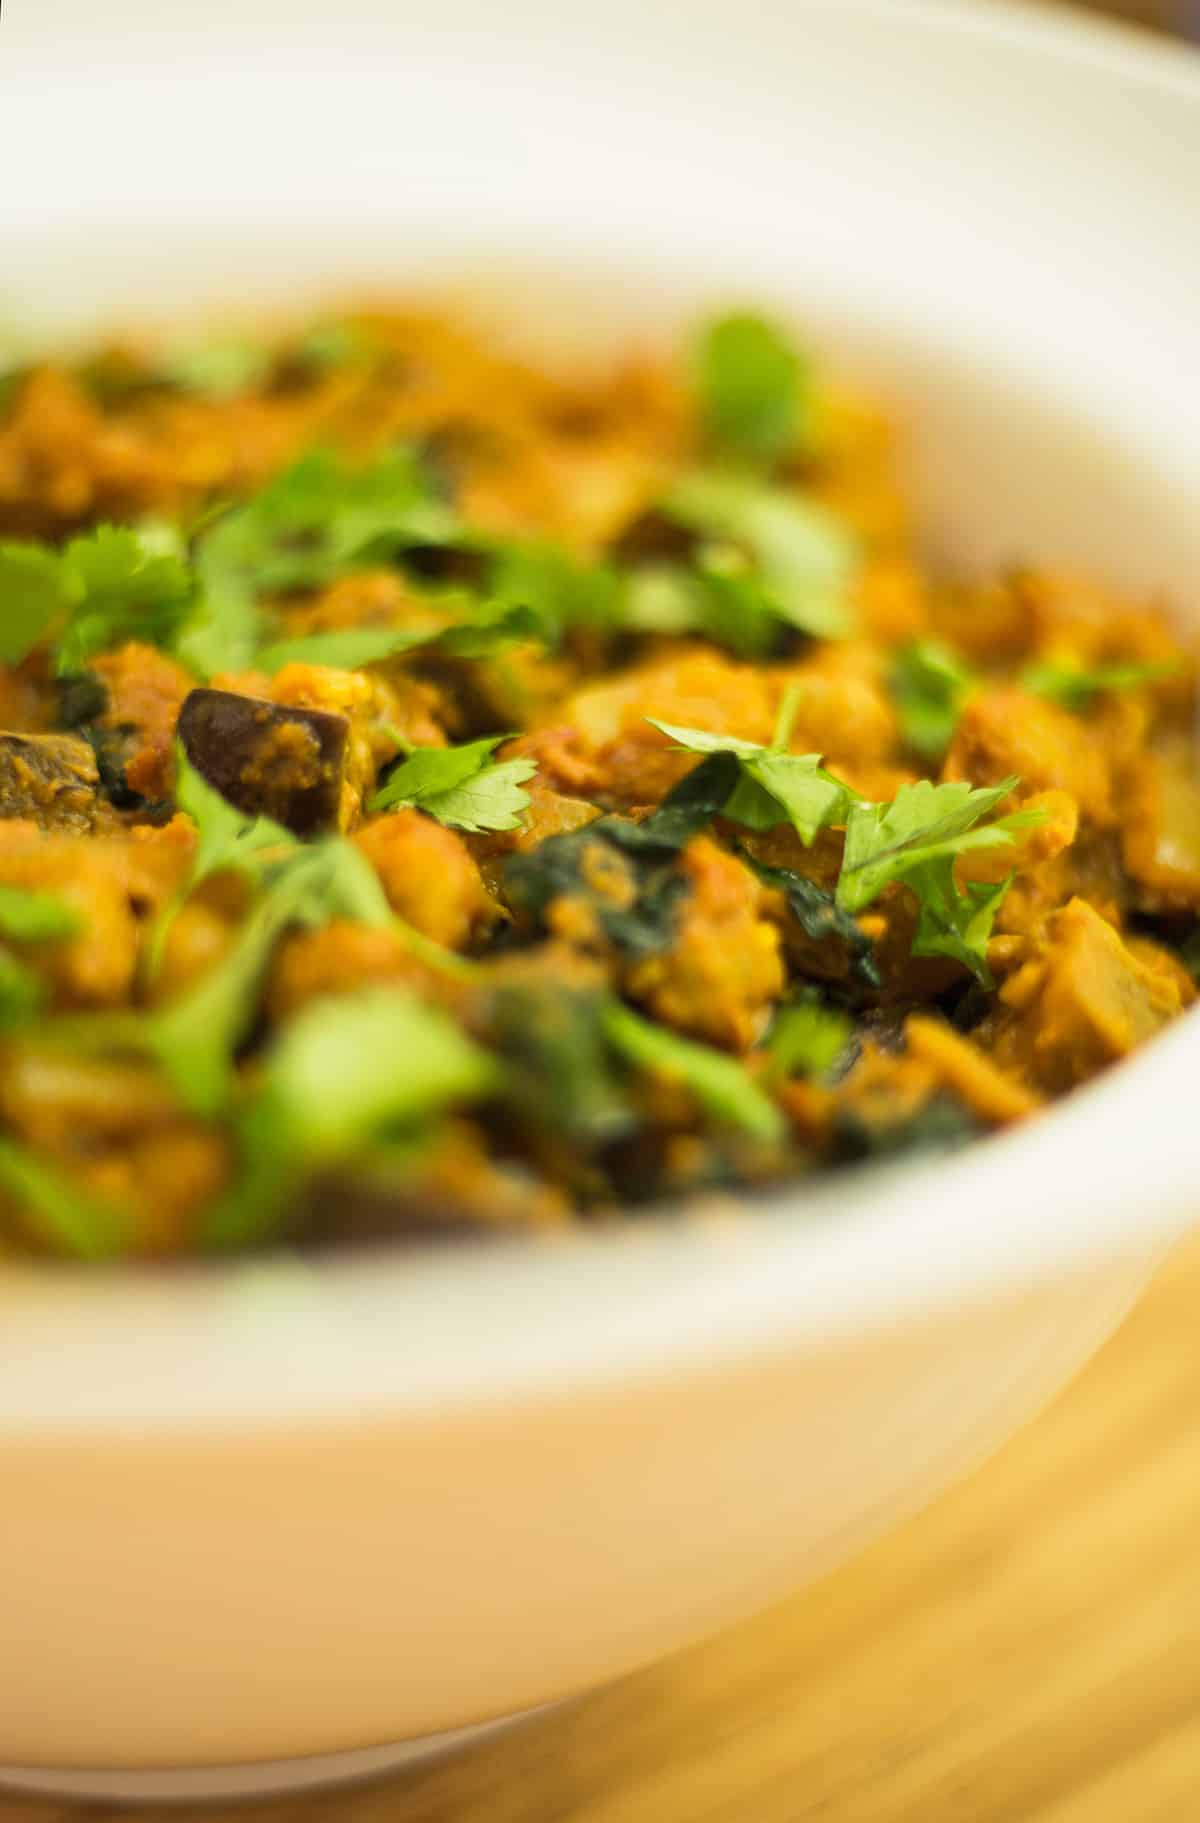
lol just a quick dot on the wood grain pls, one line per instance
(1027, 1651)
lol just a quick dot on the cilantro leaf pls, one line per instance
(319, 518)
(344, 1070)
(753, 389)
(21, 992)
(33, 597)
(916, 839)
(558, 590)
(350, 1065)
(121, 590)
(57, 1212)
(662, 598)
(222, 630)
(559, 1072)
(803, 556)
(462, 786)
(722, 1086)
(955, 921)
(720, 597)
(807, 1038)
(227, 837)
(347, 649)
(493, 626)
(217, 370)
(222, 369)
(196, 1037)
(316, 521)
(775, 786)
(930, 683)
(30, 916)
(1077, 686)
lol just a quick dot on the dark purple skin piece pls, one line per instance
(269, 759)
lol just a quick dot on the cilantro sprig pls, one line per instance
(29, 917)
(1076, 687)
(774, 786)
(931, 684)
(753, 388)
(807, 1039)
(916, 840)
(344, 1071)
(460, 786)
(104, 588)
(57, 1212)
(720, 1084)
(798, 556)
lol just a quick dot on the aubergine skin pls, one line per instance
(269, 759)
(49, 779)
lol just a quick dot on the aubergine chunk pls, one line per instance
(49, 779)
(269, 759)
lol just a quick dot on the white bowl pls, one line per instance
(291, 1508)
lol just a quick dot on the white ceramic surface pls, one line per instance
(290, 1509)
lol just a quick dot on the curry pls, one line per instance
(439, 796)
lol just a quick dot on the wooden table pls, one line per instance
(1027, 1651)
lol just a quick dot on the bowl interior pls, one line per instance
(981, 211)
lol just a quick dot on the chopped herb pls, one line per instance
(462, 786)
(737, 608)
(21, 992)
(196, 1037)
(345, 1070)
(228, 840)
(32, 598)
(721, 1085)
(917, 839)
(316, 521)
(662, 598)
(59, 1213)
(558, 591)
(559, 1071)
(807, 1039)
(217, 370)
(955, 921)
(1077, 686)
(119, 589)
(930, 684)
(333, 343)
(753, 389)
(30, 916)
(494, 627)
(801, 554)
(924, 822)
(105, 588)
(227, 837)
(774, 786)
(321, 518)
(348, 649)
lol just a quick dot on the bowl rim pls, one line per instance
(259, 1342)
